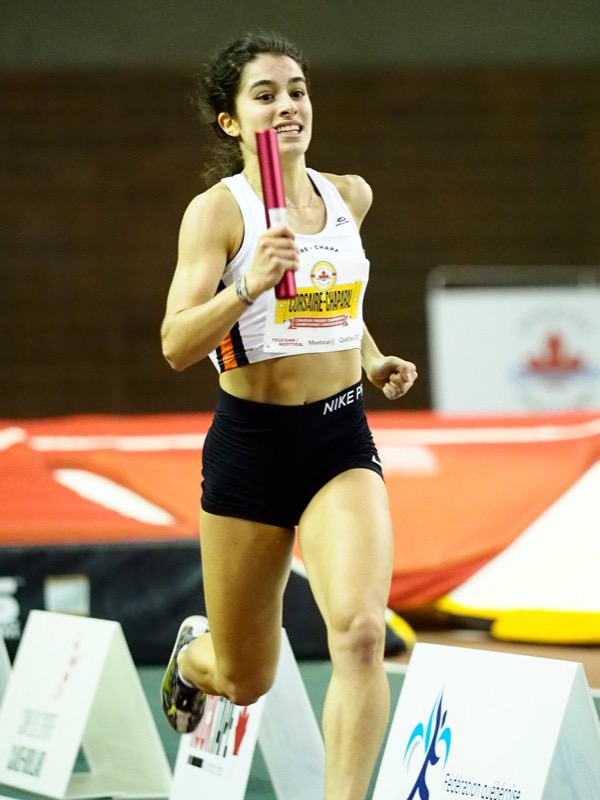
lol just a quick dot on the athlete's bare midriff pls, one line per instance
(294, 380)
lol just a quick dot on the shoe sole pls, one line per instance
(199, 625)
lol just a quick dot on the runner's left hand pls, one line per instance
(393, 375)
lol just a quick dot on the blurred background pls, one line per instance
(476, 122)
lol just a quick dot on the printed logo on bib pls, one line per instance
(323, 275)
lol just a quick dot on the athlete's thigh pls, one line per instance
(245, 567)
(345, 536)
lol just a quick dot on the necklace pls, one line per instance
(288, 203)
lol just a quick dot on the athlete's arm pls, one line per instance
(393, 375)
(197, 317)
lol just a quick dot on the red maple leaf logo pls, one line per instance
(555, 358)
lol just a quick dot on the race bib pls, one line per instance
(326, 314)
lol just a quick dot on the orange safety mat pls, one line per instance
(461, 488)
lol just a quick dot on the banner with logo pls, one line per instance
(493, 726)
(514, 349)
(74, 686)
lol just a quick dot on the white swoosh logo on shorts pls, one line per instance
(376, 461)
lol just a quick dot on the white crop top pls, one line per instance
(326, 314)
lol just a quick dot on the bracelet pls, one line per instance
(241, 289)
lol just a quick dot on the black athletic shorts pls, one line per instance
(265, 462)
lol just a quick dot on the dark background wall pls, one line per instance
(477, 123)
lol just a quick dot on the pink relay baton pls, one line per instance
(274, 197)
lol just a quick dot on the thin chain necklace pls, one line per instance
(287, 201)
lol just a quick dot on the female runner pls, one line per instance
(289, 446)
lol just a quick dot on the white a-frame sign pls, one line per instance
(215, 760)
(492, 726)
(4, 668)
(74, 686)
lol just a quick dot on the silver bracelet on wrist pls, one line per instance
(241, 289)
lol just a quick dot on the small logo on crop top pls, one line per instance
(323, 276)
(341, 221)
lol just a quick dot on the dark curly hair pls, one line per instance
(218, 83)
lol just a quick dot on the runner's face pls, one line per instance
(273, 94)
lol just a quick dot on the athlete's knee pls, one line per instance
(357, 639)
(245, 689)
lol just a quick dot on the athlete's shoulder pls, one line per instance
(355, 191)
(216, 202)
(212, 220)
(214, 213)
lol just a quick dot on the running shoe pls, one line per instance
(183, 704)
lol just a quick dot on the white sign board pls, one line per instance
(216, 759)
(4, 668)
(74, 685)
(289, 735)
(514, 349)
(472, 723)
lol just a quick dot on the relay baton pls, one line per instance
(274, 197)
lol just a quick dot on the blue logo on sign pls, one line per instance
(428, 737)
